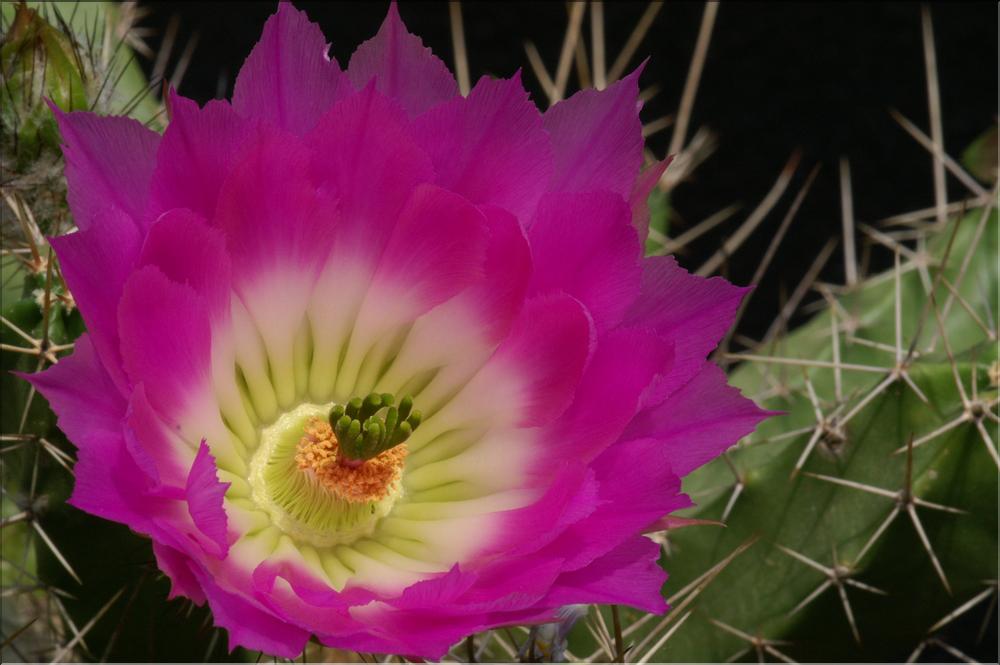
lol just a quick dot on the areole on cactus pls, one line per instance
(870, 507)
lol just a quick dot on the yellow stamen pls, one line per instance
(372, 480)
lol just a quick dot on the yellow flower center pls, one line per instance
(367, 481)
(313, 493)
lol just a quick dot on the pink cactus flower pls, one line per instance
(376, 362)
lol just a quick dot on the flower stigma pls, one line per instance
(328, 473)
(363, 434)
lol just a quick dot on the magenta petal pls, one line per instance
(571, 495)
(490, 146)
(402, 67)
(95, 263)
(597, 138)
(188, 251)
(512, 584)
(83, 414)
(425, 635)
(695, 316)
(148, 441)
(435, 592)
(196, 153)
(628, 575)
(380, 230)
(165, 339)
(584, 244)
(638, 200)
(499, 296)
(288, 79)
(418, 636)
(110, 485)
(433, 614)
(204, 497)
(436, 249)
(364, 153)
(177, 566)
(699, 421)
(249, 626)
(623, 365)
(271, 210)
(548, 347)
(109, 162)
(301, 592)
(108, 482)
(624, 509)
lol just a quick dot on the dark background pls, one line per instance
(779, 76)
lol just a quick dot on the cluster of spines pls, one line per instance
(363, 431)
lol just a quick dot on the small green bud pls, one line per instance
(391, 420)
(371, 406)
(373, 437)
(363, 434)
(354, 431)
(340, 429)
(405, 405)
(354, 407)
(401, 434)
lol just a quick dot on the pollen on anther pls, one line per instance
(373, 480)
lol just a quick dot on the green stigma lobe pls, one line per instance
(297, 502)
(363, 433)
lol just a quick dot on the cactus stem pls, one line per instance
(878, 390)
(55, 550)
(905, 501)
(806, 362)
(828, 430)
(737, 488)
(934, 641)
(838, 576)
(804, 286)
(680, 600)
(757, 642)
(663, 640)
(949, 162)
(912, 511)
(973, 409)
(990, 591)
(847, 219)
(737, 238)
(980, 228)
(838, 376)
(990, 446)
(934, 110)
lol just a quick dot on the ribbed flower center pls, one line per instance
(377, 452)
(297, 476)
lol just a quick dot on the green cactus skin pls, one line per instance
(831, 523)
(66, 53)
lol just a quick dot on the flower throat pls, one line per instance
(328, 473)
